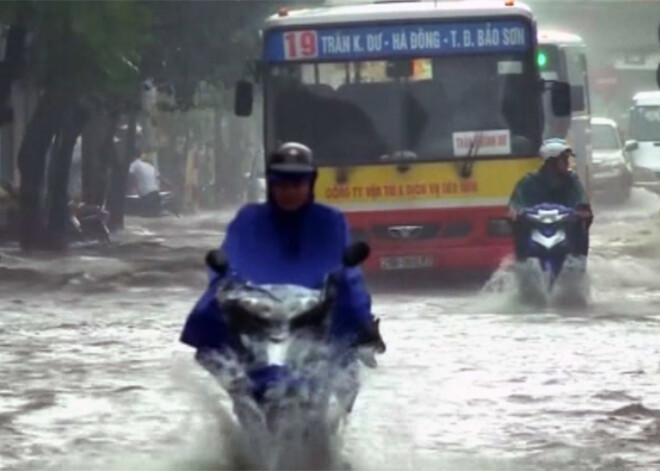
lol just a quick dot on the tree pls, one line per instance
(206, 43)
(88, 60)
(12, 65)
(79, 53)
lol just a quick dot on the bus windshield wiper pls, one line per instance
(468, 161)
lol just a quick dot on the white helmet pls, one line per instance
(552, 148)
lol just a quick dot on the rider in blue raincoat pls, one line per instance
(290, 239)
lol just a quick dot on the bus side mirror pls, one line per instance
(657, 76)
(577, 98)
(243, 98)
(560, 97)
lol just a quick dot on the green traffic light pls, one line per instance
(542, 59)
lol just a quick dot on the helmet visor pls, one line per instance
(275, 174)
(291, 167)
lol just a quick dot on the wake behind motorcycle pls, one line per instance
(291, 387)
(551, 272)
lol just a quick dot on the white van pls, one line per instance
(644, 139)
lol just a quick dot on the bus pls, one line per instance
(563, 57)
(422, 117)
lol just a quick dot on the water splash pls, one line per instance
(299, 428)
(524, 285)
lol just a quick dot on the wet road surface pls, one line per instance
(93, 376)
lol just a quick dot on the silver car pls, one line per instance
(612, 168)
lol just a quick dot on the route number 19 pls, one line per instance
(300, 45)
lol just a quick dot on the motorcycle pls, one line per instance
(551, 272)
(291, 388)
(88, 223)
(134, 205)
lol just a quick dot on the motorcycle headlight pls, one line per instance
(313, 317)
(246, 317)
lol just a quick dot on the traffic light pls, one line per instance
(542, 59)
(546, 57)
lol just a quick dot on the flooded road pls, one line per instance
(93, 376)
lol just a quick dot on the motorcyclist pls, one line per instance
(289, 239)
(554, 183)
(146, 181)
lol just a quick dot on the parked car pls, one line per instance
(612, 166)
(644, 127)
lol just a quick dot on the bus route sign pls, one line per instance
(424, 39)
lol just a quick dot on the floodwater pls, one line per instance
(93, 376)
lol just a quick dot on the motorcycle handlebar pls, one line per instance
(373, 338)
(217, 261)
(354, 255)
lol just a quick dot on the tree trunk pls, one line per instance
(104, 155)
(119, 175)
(31, 165)
(97, 152)
(10, 68)
(72, 121)
(89, 138)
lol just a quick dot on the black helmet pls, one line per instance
(292, 158)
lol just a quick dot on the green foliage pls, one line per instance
(94, 47)
(203, 41)
(106, 47)
(112, 35)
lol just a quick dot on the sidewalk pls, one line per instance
(167, 244)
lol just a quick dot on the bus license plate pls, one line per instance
(406, 262)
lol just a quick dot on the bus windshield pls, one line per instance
(645, 123)
(356, 112)
(391, 92)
